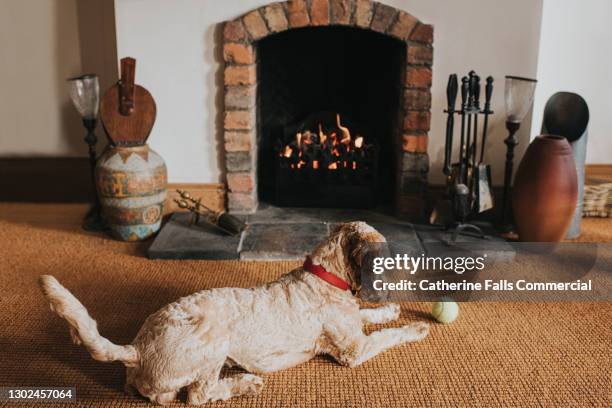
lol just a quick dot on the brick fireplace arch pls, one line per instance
(240, 38)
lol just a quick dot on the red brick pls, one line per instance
(423, 33)
(403, 26)
(240, 97)
(363, 13)
(236, 162)
(420, 55)
(239, 120)
(383, 17)
(341, 11)
(241, 202)
(275, 16)
(238, 141)
(240, 182)
(241, 54)
(297, 11)
(240, 75)
(255, 25)
(415, 99)
(319, 12)
(418, 77)
(417, 120)
(415, 143)
(234, 31)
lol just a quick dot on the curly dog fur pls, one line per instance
(263, 329)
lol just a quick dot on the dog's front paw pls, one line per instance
(389, 313)
(415, 331)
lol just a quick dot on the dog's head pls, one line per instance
(349, 251)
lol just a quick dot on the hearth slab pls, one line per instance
(268, 214)
(282, 241)
(401, 237)
(178, 240)
(437, 242)
(291, 233)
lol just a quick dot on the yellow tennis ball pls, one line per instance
(445, 310)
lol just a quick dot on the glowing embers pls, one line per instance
(329, 147)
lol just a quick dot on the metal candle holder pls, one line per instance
(518, 95)
(85, 94)
(511, 142)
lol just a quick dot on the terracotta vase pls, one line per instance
(545, 190)
(131, 183)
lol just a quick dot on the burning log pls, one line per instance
(346, 134)
(322, 136)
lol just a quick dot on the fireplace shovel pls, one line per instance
(443, 212)
(482, 176)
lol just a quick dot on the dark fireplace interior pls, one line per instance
(328, 109)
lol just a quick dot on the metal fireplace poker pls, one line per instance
(468, 180)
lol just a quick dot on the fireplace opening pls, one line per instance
(326, 161)
(328, 103)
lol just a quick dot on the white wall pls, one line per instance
(176, 47)
(174, 43)
(33, 70)
(43, 42)
(576, 56)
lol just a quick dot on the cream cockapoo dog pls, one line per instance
(306, 312)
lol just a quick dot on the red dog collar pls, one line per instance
(326, 276)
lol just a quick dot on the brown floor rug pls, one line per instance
(495, 354)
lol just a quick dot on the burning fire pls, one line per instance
(317, 150)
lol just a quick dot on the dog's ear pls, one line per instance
(364, 244)
(350, 251)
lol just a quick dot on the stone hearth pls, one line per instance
(240, 44)
(275, 233)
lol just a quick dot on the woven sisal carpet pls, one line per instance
(501, 354)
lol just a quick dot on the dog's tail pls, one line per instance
(83, 328)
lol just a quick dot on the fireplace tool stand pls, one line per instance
(468, 180)
(461, 210)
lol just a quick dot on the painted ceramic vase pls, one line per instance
(545, 190)
(131, 183)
